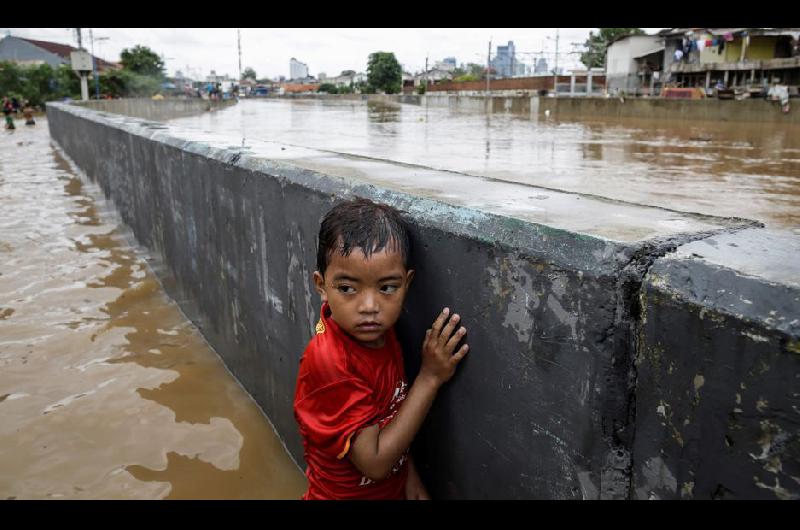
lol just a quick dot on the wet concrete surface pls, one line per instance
(726, 169)
(106, 389)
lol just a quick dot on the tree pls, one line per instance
(39, 83)
(466, 77)
(249, 73)
(329, 88)
(384, 73)
(142, 60)
(596, 45)
(128, 84)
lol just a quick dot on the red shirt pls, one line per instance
(343, 387)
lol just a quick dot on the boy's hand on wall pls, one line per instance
(438, 361)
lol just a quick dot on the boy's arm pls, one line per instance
(374, 451)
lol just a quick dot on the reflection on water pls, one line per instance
(379, 112)
(106, 390)
(747, 170)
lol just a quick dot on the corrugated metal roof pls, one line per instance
(648, 52)
(672, 32)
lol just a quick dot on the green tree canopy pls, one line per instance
(330, 88)
(38, 83)
(384, 72)
(249, 73)
(466, 77)
(142, 60)
(597, 44)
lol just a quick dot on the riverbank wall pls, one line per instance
(710, 109)
(585, 345)
(528, 102)
(156, 110)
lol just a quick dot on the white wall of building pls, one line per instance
(620, 62)
(297, 70)
(619, 56)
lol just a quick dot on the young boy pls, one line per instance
(356, 419)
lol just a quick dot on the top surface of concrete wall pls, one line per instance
(752, 274)
(771, 255)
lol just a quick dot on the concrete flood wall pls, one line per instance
(718, 390)
(527, 103)
(752, 110)
(546, 405)
(159, 110)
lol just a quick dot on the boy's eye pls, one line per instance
(389, 288)
(345, 289)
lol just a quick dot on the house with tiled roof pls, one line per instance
(33, 52)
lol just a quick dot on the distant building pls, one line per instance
(297, 70)
(734, 57)
(622, 67)
(322, 76)
(521, 69)
(346, 78)
(541, 67)
(434, 75)
(34, 52)
(212, 77)
(504, 61)
(448, 64)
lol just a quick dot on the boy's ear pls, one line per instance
(409, 277)
(319, 285)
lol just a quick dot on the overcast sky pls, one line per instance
(330, 50)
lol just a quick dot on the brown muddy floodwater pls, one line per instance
(107, 391)
(729, 169)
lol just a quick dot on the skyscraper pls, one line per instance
(297, 70)
(504, 62)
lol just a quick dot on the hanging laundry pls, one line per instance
(709, 43)
(728, 37)
(701, 44)
(678, 55)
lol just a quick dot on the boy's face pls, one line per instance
(365, 295)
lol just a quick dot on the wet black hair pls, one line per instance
(361, 223)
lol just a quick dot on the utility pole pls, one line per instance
(82, 73)
(427, 80)
(94, 67)
(488, 66)
(555, 68)
(239, 37)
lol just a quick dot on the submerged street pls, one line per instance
(107, 391)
